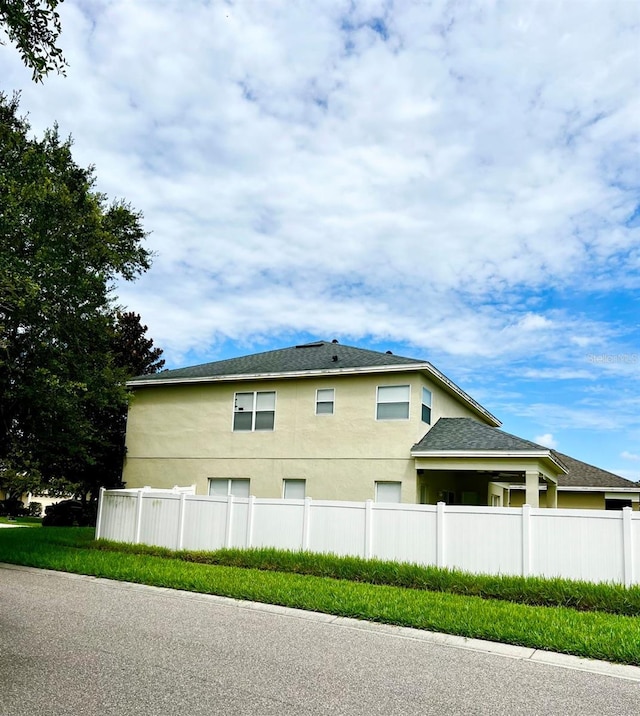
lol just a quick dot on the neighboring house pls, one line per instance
(333, 422)
(28, 498)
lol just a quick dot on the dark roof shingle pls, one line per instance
(305, 357)
(468, 434)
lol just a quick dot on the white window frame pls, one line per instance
(387, 483)
(254, 411)
(396, 402)
(231, 483)
(326, 402)
(293, 482)
(426, 404)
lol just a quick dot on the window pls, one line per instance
(393, 402)
(254, 411)
(225, 486)
(294, 489)
(388, 491)
(426, 406)
(324, 401)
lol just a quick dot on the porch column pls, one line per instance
(552, 494)
(532, 494)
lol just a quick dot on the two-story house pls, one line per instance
(334, 422)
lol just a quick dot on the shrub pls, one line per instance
(70, 513)
(12, 508)
(35, 509)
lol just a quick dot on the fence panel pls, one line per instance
(118, 521)
(338, 528)
(159, 524)
(483, 540)
(578, 544)
(278, 523)
(404, 533)
(205, 522)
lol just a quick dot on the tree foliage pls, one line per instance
(33, 26)
(62, 247)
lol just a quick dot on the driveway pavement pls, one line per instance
(80, 645)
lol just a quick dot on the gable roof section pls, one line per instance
(581, 474)
(467, 434)
(306, 357)
(309, 359)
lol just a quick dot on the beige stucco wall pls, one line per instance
(182, 434)
(570, 500)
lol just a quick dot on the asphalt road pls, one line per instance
(75, 645)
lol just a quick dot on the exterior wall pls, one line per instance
(581, 500)
(568, 500)
(182, 434)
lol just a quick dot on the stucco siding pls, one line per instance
(184, 434)
(326, 479)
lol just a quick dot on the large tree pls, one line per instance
(62, 247)
(134, 354)
(33, 27)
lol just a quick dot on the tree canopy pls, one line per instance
(33, 26)
(63, 342)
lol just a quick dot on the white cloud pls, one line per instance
(629, 455)
(547, 440)
(432, 158)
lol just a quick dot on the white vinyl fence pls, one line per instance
(590, 545)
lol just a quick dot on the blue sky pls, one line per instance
(454, 181)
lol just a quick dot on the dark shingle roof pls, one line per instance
(469, 434)
(306, 357)
(581, 474)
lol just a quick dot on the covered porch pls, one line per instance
(460, 461)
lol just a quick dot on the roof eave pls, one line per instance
(280, 375)
(493, 454)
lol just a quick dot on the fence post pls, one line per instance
(440, 551)
(368, 529)
(139, 517)
(306, 523)
(227, 535)
(627, 546)
(181, 521)
(250, 509)
(526, 540)
(99, 516)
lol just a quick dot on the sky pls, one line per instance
(454, 181)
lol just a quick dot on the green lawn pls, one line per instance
(22, 521)
(436, 600)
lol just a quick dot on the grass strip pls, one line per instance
(583, 596)
(594, 635)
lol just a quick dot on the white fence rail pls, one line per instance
(590, 545)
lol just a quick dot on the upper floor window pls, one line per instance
(393, 402)
(426, 406)
(254, 411)
(325, 399)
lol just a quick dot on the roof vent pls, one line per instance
(335, 340)
(317, 344)
(334, 358)
(389, 353)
